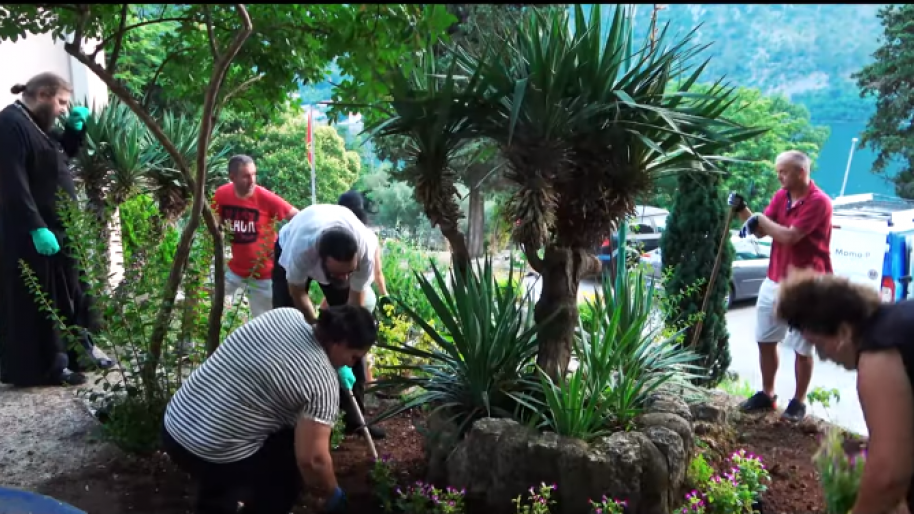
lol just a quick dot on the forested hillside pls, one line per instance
(807, 52)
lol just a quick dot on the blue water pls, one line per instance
(828, 171)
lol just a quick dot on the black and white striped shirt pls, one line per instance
(265, 376)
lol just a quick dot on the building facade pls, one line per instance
(36, 54)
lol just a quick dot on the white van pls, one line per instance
(873, 247)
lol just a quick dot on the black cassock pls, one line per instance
(33, 169)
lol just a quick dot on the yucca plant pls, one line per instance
(429, 113)
(622, 360)
(166, 183)
(586, 124)
(483, 346)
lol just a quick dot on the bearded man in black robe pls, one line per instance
(34, 167)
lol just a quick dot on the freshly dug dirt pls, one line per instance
(153, 485)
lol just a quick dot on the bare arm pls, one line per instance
(312, 452)
(379, 273)
(292, 212)
(357, 298)
(888, 407)
(303, 302)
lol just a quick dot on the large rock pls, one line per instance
(500, 459)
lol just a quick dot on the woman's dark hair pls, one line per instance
(358, 203)
(351, 325)
(337, 243)
(823, 303)
(48, 82)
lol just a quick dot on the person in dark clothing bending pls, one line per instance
(33, 169)
(848, 324)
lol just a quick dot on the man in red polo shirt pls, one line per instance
(798, 220)
(250, 213)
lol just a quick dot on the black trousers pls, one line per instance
(33, 351)
(334, 296)
(268, 482)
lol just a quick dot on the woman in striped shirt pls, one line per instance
(253, 422)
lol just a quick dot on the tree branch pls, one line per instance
(208, 19)
(241, 87)
(120, 33)
(116, 52)
(82, 15)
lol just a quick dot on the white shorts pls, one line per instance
(259, 292)
(768, 328)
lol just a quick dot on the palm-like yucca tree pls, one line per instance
(430, 112)
(117, 155)
(586, 124)
(165, 180)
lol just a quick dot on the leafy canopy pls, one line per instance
(889, 131)
(169, 48)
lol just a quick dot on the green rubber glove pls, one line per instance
(347, 377)
(45, 242)
(78, 117)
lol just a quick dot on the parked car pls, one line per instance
(644, 231)
(750, 267)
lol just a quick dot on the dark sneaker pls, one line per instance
(70, 378)
(794, 412)
(759, 402)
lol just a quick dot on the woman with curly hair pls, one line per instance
(848, 324)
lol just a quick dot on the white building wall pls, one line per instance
(36, 54)
(41, 53)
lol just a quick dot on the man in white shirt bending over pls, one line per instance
(329, 245)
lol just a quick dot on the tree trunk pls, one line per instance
(197, 185)
(460, 255)
(476, 223)
(561, 270)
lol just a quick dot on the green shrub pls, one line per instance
(132, 405)
(483, 345)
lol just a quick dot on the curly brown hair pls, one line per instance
(823, 303)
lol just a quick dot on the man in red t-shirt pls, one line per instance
(250, 214)
(798, 220)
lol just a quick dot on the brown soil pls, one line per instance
(153, 485)
(786, 450)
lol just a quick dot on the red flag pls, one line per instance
(310, 138)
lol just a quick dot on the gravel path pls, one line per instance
(48, 431)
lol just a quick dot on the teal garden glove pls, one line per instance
(78, 118)
(347, 377)
(46, 243)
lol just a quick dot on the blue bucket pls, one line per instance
(17, 501)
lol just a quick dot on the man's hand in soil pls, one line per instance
(336, 503)
(347, 377)
(736, 202)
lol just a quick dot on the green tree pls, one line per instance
(890, 131)
(585, 129)
(280, 153)
(234, 55)
(789, 128)
(689, 246)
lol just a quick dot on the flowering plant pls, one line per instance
(384, 482)
(608, 506)
(422, 498)
(538, 500)
(750, 472)
(839, 473)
